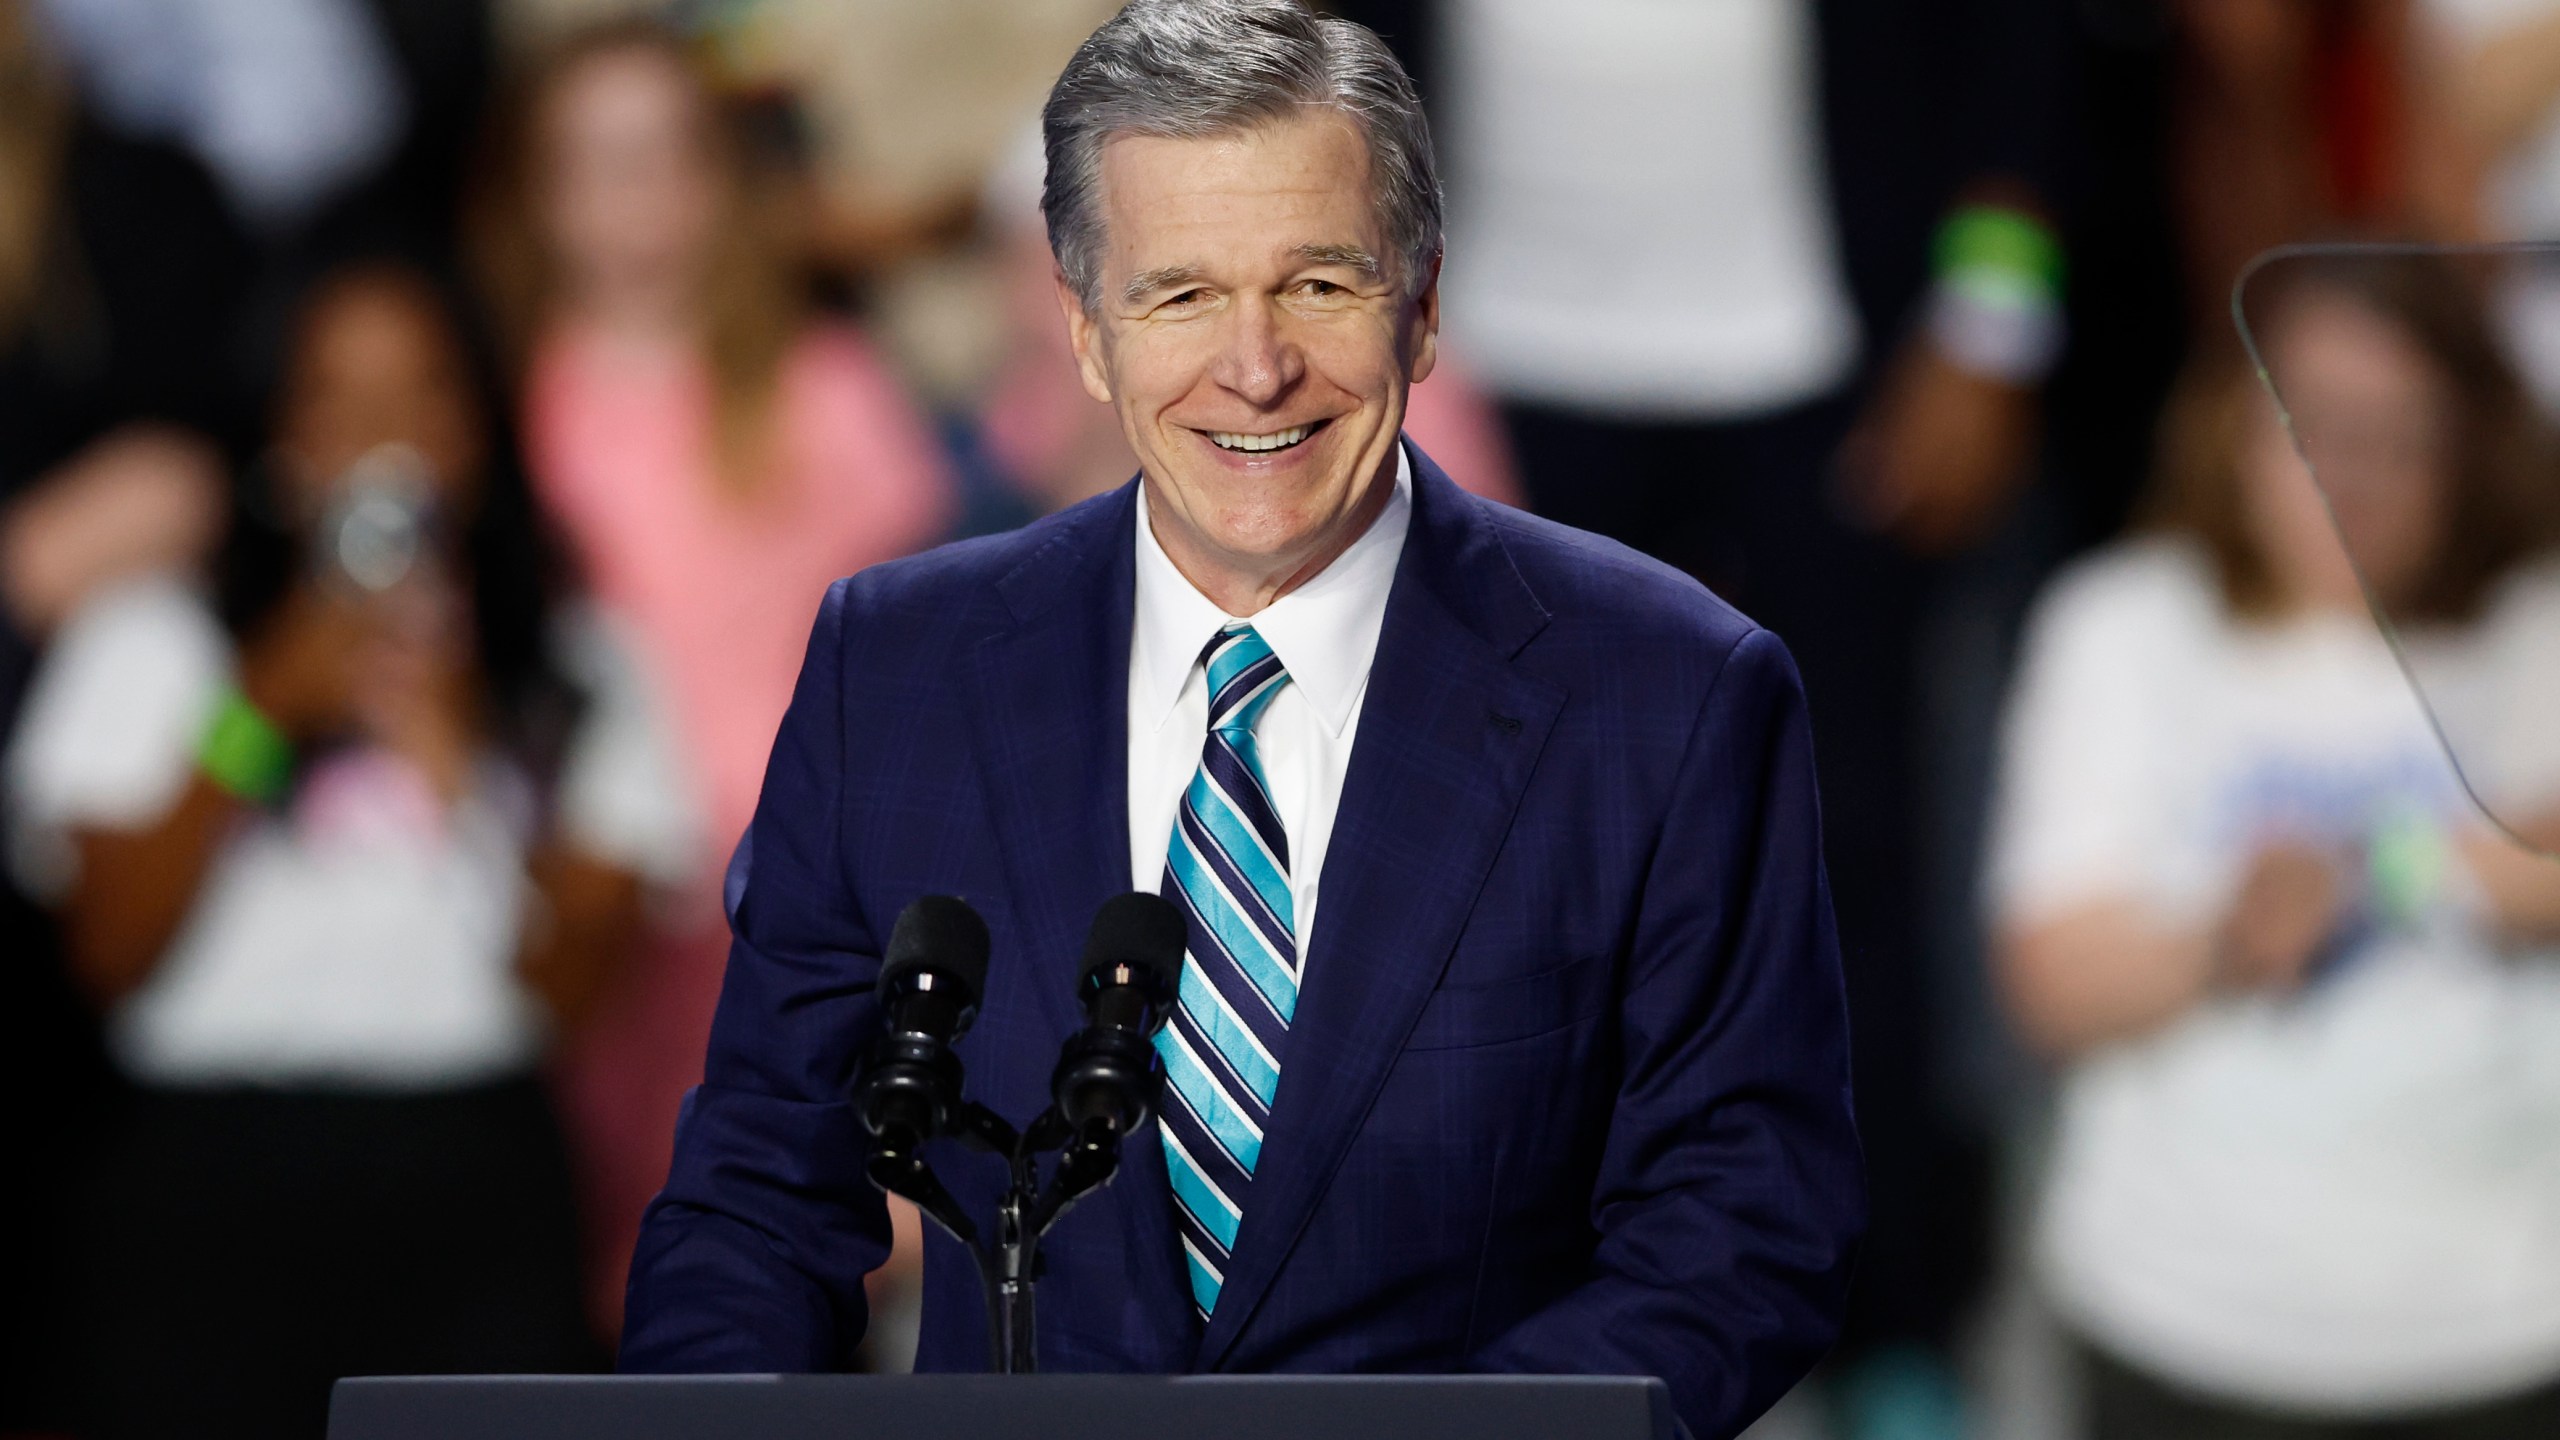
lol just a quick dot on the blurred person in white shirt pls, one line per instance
(2305, 998)
(335, 868)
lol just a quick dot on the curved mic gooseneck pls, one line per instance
(1108, 1076)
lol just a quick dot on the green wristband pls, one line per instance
(2004, 247)
(243, 752)
(2407, 866)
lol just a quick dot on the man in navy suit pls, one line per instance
(1556, 1080)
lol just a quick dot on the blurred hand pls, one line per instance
(2288, 904)
(299, 668)
(143, 498)
(412, 683)
(394, 669)
(2517, 871)
(1939, 452)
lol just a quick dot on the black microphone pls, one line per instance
(1108, 1076)
(929, 986)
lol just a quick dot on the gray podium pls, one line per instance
(967, 1407)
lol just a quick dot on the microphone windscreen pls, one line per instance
(1139, 930)
(939, 933)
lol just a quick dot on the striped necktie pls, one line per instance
(1227, 866)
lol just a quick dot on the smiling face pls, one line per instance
(1256, 338)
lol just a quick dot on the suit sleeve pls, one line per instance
(1730, 1193)
(752, 1257)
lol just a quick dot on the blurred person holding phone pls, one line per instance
(336, 872)
(714, 456)
(2306, 1001)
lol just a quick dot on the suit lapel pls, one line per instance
(1448, 735)
(1051, 714)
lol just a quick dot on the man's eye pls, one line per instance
(1186, 299)
(1322, 288)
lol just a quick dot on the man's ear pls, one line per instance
(1422, 351)
(1084, 336)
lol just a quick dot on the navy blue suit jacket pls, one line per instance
(1567, 1088)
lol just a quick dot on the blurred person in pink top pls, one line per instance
(714, 455)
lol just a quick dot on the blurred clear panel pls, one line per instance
(2417, 385)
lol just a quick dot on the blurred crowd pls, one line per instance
(427, 428)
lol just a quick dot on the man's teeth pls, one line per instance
(1277, 440)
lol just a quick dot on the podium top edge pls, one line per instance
(1611, 1382)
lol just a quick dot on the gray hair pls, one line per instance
(1191, 69)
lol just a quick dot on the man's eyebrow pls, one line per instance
(1163, 277)
(1175, 277)
(1350, 257)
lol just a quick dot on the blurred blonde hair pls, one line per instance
(750, 306)
(31, 126)
(2503, 502)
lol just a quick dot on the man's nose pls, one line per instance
(1257, 359)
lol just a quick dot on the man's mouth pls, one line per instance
(1243, 443)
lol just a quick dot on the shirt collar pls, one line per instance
(1325, 631)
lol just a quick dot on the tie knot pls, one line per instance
(1243, 676)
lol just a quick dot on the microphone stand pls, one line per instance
(1017, 1267)
(1106, 1084)
(1009, 1270)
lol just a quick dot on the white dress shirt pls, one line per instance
(1325, 632)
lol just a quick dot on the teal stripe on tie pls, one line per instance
(1234, 1131)
(1201, 1198)
(1208, 1010)
(1205, 1284)
(1225, 824)
(1243, 653)
(1252, 953)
